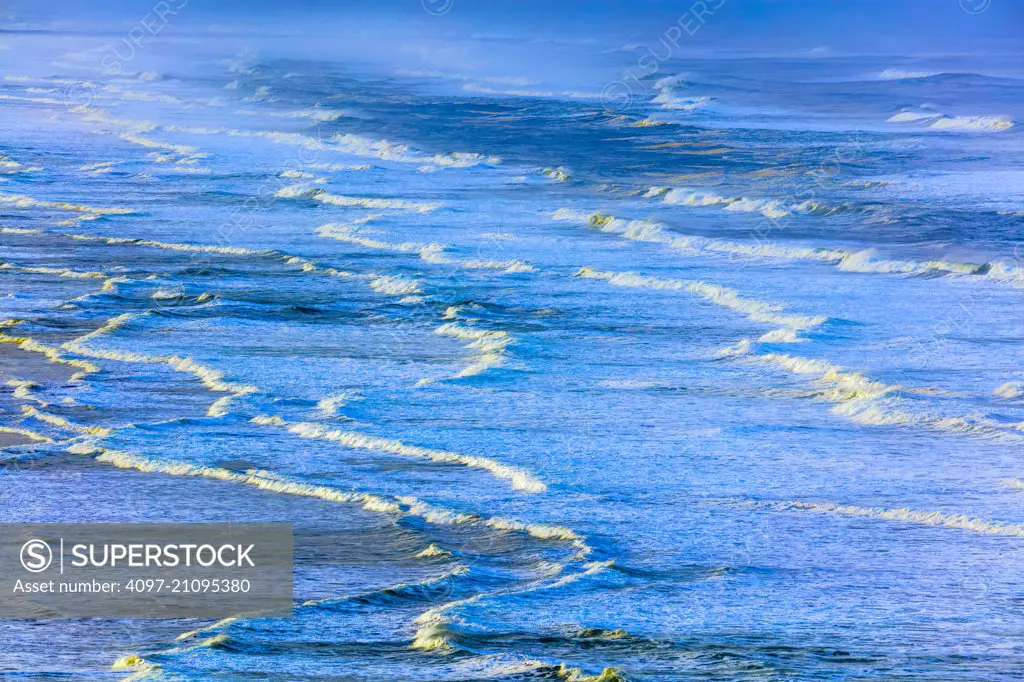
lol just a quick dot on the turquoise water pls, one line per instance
(719, 382)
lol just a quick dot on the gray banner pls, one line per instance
(145, 570)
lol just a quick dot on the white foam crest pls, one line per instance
(1006, 273)
(463, 160)
(315, 113)
(170, 246)
(439, 516)
(167, 294)
(571, 215)
(669, 81)
(770, 208)
(262, 94)
(59, 272)
(900, 74)
(329, 406)
(488, 346)
(128, 124)
(431, 253)
(861, 261)
(427, 636)
(304, 264)
(673, 103)
(433, 632)
(756, 311)
(336, 200)
(866, 261)
(936, 120)
(433, 551)
(904, 515)
(1010, 390)
(99, 168)
(34, 100)
(635, 230)
(190, 640)
(974, 123)
(770, 250)
(520, 479)
(24, 201)
(186, 153)
(394, 285)
(355, 145)
(866, 401)
(61, 422)
(23, 389)
(293, 174)
(653, 232)
(143, 669)
(46, 79)
(648, 122)
(688, 197)
(845, 385)
(350, 234)
(913, 116)
(784, 335)
(982, 427)
(307, 191)
(507, 266)
(210, 378)
(9, 166)
(389, 151)
(539, 531)
(668, 99)
(558, 174)
(107, 327)
(277, 484)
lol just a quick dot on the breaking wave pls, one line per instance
(900, 74)
(862, 260)
(936, 120)
(210, 378)
(866, 401)
(520, 479)
(488, 347)
(24, 201)
(904, 515)
(324, 197)
(431, 253)
(756, 311)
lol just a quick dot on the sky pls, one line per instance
(841, 25)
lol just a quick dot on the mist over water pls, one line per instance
(589, 341)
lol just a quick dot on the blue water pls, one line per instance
(720, 380)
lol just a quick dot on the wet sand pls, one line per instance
(24, 365)
(8, 439)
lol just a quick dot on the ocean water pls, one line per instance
(712, 372)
